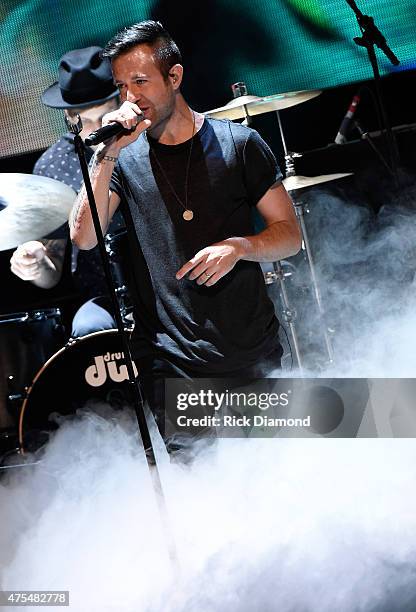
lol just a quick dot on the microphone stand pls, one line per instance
(75, 127)
(371, 37)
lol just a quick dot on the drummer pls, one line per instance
(85, 86)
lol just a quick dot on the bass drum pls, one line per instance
(90, 369)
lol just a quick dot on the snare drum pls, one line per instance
(27, 340)
(90, 369)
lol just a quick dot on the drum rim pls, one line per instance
(71, 343)
(28, 316)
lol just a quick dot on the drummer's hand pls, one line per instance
(26, 261)
(128, 116)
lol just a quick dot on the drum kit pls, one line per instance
(53, 381)
(41, 376)
(244, 106)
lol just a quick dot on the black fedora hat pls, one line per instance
(84, 79)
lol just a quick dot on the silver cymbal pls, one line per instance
(300, 182)
(34, 205)
(253, 105)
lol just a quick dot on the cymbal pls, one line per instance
(253, 105)
(31, 207)
(300, 182)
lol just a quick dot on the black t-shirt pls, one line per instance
(232, 324)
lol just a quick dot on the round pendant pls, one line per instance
(188, 215)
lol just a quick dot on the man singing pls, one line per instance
(186, 185)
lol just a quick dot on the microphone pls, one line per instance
(107, 132)
(340, 138)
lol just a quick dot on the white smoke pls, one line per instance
(288, 525)
(366, 266)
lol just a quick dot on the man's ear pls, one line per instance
(175, 75)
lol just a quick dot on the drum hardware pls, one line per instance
(28, 339)
(245, 106)
(271, 277)
(248, 106)
(299, 209)
(240, 90)
(17, 465)
(242, 106)
(14, 396)
(113, 247)
(293, 182)
(11, 456)
(88, 369)
(8, 440)
(20, 317)
(289, 313)
(34, 206)
(290, 158)
(287, 310)
(121, 290)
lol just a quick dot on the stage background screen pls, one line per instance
(273, 45)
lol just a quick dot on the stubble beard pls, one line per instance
(161, 118)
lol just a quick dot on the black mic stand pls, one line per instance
(371, 37)
(75, 127)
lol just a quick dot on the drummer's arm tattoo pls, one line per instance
(81, 205)
(82, 195)
(75, 209)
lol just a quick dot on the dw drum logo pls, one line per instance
(107, 366)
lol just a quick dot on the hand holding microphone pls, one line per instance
(122, 124)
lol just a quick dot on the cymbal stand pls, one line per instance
(299, 206)
(289, 163)
(240, 89)
(288, 313)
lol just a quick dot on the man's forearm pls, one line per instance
(80, 219)
(279, 240)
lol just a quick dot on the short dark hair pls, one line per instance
(150, 33)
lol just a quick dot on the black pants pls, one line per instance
(154, 370)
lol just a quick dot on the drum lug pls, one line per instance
(121, 290)
(15, 397)
(38, 316)
(289, 315)
(12, 388)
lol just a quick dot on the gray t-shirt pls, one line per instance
(232, 324)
